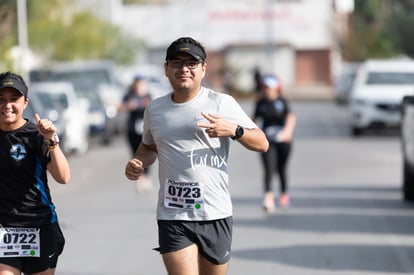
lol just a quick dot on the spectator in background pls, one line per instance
(257, 78)
(134, 102)
(278, 123)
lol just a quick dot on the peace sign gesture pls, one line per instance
(217, 126)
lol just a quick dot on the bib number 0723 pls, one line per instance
(184, 192)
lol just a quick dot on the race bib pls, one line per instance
(19, 242)
(183, 195)
(272, 133)
(139, 126)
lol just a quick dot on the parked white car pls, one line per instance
(74, 113)
(379, 87)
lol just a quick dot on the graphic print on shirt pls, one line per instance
(18, 152)
(206, 160)
(279, 106)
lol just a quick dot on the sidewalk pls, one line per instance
(310, 93)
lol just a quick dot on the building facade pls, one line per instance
(295, 39)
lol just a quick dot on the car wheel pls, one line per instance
(107, 138)
(356, 131)
(408, 182)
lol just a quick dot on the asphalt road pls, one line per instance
(346, 215)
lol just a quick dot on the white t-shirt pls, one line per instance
(192, 166)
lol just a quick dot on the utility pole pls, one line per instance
(23, 48)
(269, 33)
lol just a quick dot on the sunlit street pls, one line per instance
(347, 215)
(86, 84)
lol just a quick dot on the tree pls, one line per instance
(7, 32)
(379, 29)
(401, 24)
(62, 33)
(367, 37)
(59, 32)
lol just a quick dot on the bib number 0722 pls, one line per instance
(22, 238)
(19, 242)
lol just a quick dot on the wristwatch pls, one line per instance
(239, 132)
(53, 141)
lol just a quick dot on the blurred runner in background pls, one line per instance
(134, 102)
(278, 123)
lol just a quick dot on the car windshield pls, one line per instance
(77, 78)
(61, 99)
(390, 78)
(46, 100)
(85, 82)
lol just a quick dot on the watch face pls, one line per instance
(239, 132)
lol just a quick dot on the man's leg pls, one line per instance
(49, 271)
(8, 270)
(182, 262)
(208, 268)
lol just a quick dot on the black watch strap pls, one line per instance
(239, 132)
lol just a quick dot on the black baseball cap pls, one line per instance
(10, 80)
(191, 49)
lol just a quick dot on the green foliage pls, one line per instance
(379, 29)
(63, 34)
(367, 37)
(401, 29)
(58, 32)
(8, 36)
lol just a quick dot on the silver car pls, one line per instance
(73, 113)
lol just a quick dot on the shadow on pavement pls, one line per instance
(333, 217)
(331, 257)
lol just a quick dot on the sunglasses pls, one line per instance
(179, 63)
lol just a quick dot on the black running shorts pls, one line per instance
(52, 242)
(213, 238)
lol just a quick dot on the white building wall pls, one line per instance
(285, 66)
(281, 62)
(221, 24)
(218, 23)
